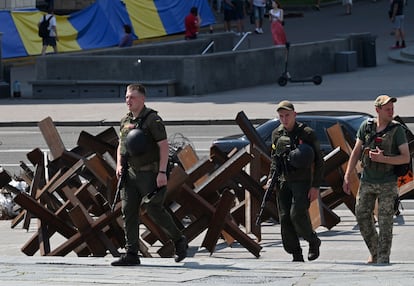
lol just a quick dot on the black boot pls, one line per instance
(181, 249)
(298, 257)
(128, 259)
(314, 249)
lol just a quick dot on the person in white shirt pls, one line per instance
(52, 37)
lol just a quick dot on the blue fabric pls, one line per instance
(12, 45)
(98, 26)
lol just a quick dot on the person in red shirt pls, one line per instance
(192, 24)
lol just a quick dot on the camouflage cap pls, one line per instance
(285, 104)
(384, 99)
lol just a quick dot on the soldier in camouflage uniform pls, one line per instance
(298, 182)
(146, 175)
(381, 144)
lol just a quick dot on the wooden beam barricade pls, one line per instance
(250, 131)
(337, 138)
(218, 220)
(93, 144)
(204, 207)
(52, 137)
(217, 195)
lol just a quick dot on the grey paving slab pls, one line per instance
(342, 261)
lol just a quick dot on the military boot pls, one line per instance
(314, 249)
(181, 247)
(298, 257)
(128, 259)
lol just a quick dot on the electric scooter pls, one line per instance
(285, 77)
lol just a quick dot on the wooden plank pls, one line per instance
(102, 171)
(204, 207)
(93, 238)
(60, 179)
(94, 144)
(316, 214)
(254, 190)
(52, 137)
(38, 182)
(43, 238)
(36, 156)
(188, 159)
(43, 213)
(76, 239)
(218, 220)
(229, 169)
(337, 138)
(334, 160)
(251, 132)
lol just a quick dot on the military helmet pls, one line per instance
(136, 142)
(302, 156)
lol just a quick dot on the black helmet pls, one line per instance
(302, 156)
(136, 142)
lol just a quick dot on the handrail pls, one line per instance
(208, 47)
(241, 40)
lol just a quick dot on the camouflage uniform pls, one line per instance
(141, 180)
(378, 181)
(294, 185)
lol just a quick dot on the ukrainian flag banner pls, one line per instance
(98, 26)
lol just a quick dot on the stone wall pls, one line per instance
(72, 5)
(197, 74)
(17, 4)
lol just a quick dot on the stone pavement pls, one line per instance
(342, 262)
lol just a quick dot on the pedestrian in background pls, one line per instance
(396, 14)
(381, 144)
(146, 178)
(298, 163)
(238, 16)
(228, 14)
(192, 24)
(258, 12)
(51, 37)
(276, 23)
(126, 40)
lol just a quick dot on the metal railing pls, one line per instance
(210, 45)
(241, 40)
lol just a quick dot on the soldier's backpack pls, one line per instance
(44, 27)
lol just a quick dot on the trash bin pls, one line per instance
(369, 51)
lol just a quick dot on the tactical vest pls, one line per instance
(282, 145)
(383, 140)
(150, 159)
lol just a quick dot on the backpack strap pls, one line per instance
(370, 130)
(144, 118)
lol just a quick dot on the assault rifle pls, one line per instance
(266, 197)
(121, 180)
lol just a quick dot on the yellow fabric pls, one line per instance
(27, 25)
(145, 18)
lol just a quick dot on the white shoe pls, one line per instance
(260, 31)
